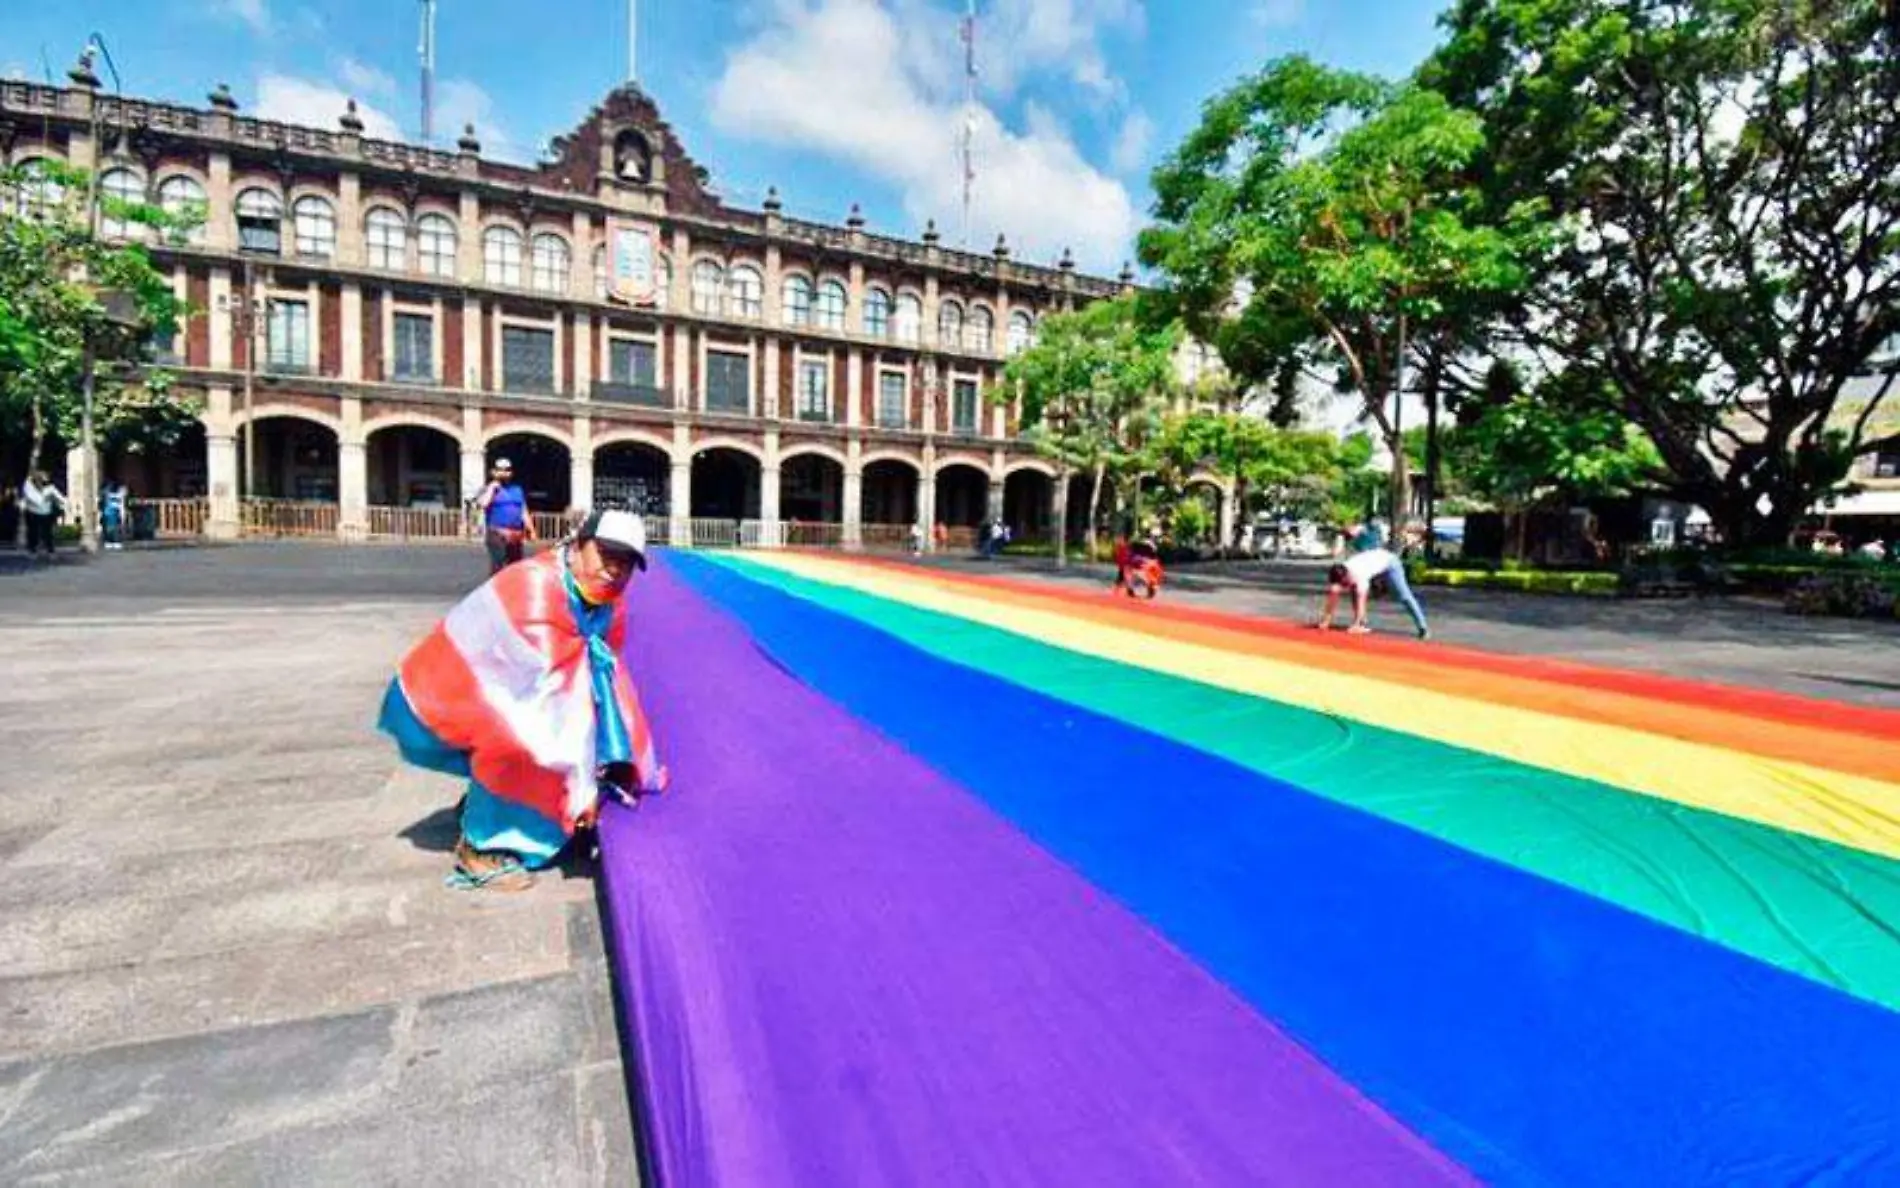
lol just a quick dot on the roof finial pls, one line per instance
(930, 232)
(468, 143)
(1001, 250)
(221, 98)
(772, 204)
(351, 122)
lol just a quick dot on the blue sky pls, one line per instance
(832, 101)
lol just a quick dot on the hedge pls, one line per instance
(1525, 581)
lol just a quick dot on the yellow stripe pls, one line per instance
(1835, 806)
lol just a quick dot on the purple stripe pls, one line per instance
(839, 969)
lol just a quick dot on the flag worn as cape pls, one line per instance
(521, 688)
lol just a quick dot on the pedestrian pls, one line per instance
(504, 506)
(1356, 575)
(916, 537)
(114, 504)
(41, 503)
(522, 691)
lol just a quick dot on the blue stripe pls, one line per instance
(414, 740)
(1537, 1034)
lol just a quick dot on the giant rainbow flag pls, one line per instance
(969, 882)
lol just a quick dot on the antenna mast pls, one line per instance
(426, 50)
(633, 41)
(969, 113)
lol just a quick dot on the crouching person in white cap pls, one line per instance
(521, 690)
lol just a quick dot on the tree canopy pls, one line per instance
(54, 270)
(1725, 180)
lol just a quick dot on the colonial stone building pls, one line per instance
(377, 322)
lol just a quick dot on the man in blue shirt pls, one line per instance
(505, 517)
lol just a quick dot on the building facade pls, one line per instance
(375, 322)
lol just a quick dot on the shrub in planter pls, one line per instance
(1851, 595)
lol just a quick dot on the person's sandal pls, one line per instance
(487, 870)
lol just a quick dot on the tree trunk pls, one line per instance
(1062, 517)
(1095, 503)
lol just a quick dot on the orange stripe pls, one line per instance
(1670, 708)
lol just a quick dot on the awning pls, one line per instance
(1867, 503)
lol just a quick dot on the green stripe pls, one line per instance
(1827, 912)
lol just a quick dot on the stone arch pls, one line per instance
(756, 453)
(889, 488)
(963, 493)
(526, 429)
(980, 465)
(911, 460)
(812, 448)
(614, 437)
(263, 412)
(811, 489)
(1029, 501)
(1037, 465)
(413, 461)
(298, 454)
(410, 420)
(726, 480)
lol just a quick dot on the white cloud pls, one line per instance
(1132, 143)
(317, 105)
(1278, 14)
(1014, 39)
(890, 114)
(251, 12)
(459, 102)
(365, 80)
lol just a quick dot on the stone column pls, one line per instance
(853, 511)
(221, 468)
(774, 285)
(352, 318)
(471, 345)
(474, 459)
(853, 383)
(220, 319)
(995, 506)
(1229, 513)
(583, 356)
(580, 467)
(220, 220)
(349, 219)
(352, 473)
(468, 240)
(82, 486)
(683, 394)
(769, 399)
(680, 490)
(769, 534)
(927, 497)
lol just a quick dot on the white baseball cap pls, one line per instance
(617, 529)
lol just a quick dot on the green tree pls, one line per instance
(1094, 386)
(63, 286)
(1321, 216)
(1727, 174)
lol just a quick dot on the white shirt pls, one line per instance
(1361, 568)
(39, 501)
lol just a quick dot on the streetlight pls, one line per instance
(245, 312)
(115, 311)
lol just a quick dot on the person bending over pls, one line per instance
(1356, 574)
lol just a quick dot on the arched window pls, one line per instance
(121, 185)
(831, 303)
(877, 313)
(949, 324)
(501, 256)
(745, 288)
(316, 227)
(38, 192)
(910, 317)
(709, 283)
(1022, 332)
(260, 222)
(386, 235)
(797, 296)
(550, 263)
(182, 197)
(981, 334)
(435, 245)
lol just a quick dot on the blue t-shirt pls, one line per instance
(508, 509)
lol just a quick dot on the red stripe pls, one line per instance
(1788, 708)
